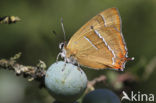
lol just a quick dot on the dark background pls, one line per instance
(34, 38)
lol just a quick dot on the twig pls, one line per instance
(32, 72)
(91, 84)
(149, 68)
(120, 78)
(9, 19)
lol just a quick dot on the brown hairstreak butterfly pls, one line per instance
(99, 44)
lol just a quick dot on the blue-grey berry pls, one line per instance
(65, 81)
(101, 96)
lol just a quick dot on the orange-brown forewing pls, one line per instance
(99, 43)
(107, 18)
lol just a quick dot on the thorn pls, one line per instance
(16, 56)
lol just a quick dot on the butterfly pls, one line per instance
(99, 44)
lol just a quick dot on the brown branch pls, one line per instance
(121, 78)
(32, 72)
(92, 83)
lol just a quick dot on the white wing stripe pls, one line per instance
(114, 56)
(90, 42)
(103, 20)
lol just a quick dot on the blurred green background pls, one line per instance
(33, 37)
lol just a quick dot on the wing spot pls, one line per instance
(90, 42)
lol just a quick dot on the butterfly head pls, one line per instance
(61, 45)
(62, 48)
(66, 54)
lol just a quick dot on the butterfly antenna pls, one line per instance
(63, 29)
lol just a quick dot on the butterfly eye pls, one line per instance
(61, 45)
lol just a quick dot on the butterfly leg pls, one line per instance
(65, 60)
(79, 67)
(64, 67)
(78, 64)
(58, 56)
